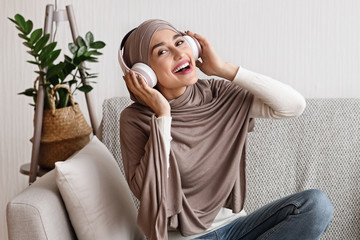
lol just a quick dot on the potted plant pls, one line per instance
(64, 128)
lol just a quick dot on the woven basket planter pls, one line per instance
(64, 131)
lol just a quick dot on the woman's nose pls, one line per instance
(178, 53)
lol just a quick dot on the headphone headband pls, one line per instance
(125, 38)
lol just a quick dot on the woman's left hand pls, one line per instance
(211, 63)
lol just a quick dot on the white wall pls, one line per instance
(313, 45)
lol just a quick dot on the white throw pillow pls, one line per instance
(96, 195)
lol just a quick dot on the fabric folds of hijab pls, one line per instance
(136, 48)
(210, 123)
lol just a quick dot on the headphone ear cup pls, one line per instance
(194, 45)
(146, 73)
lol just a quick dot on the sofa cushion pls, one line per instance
(320, 149)
(30, 215)
(96, 195)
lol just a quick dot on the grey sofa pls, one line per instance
(320, 149)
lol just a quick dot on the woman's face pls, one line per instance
(173, 63)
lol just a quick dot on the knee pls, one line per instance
(319, 205)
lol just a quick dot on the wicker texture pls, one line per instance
(64, 132)
(320, 149)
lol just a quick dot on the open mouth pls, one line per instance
(183, 67)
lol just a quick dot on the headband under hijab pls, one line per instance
(136, 48)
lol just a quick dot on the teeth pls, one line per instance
(181, 67)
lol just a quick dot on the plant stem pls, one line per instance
(47, 98)
(74, 78)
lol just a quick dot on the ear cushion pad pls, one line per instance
(146, 73)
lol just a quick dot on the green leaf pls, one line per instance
(51, 58)
(20, 29)
(92, 82)
(54, 80)
(41, 43)
(29, 45)
(91, 59)
(89, 38)
(88, 77)
(68, 68)
(29, 92)
(53, 70)
(85, 88)
(35, 35)
(62, 77)
(81, 42)
(41, 73)
(32, 53)
(63, 98)
(72, 82)
(91, 74)
(33, 62)
(13, 20)
(28, 27)
(77, 61)
(94, 52)
(67, 58)
(97, 45)
(81, 51)
(21, 22)
(23, 36)
(47, 50)
(73, 48)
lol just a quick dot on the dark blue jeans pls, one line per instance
(304, 216)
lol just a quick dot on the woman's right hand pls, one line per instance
(152, 97)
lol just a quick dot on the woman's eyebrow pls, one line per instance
(162, 43)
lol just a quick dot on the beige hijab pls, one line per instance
(136, 48)
(209, 128)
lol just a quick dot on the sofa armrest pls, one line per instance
(39, 213)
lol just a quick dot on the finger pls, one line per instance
(142, 83)
(127, 80)
(190, 33)
(134, 79)
(202, 40)
(143, 89)
(199, 64)
(132, 82)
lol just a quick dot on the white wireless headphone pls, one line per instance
(144, 70)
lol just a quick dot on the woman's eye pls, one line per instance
(161, 52)
(179, 43)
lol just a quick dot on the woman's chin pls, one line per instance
(194, 80)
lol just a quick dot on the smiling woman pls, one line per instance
(183, 143)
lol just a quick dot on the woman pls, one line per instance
(183, 144)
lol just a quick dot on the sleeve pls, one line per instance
(145, 159)
(272, 99)
(164, 124)
(134, 145)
